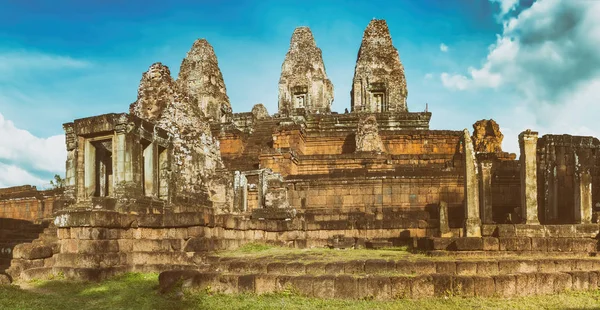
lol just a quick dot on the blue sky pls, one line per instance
(468, 59)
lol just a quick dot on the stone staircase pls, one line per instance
(260, 139)
(15, 232)
(391, 279)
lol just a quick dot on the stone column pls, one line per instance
(529, 204)
(445, 231)
(71, 164)
(583, 197)
(472, 220)
(486, 191)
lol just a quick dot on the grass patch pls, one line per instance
(139, 291)
(129, 291)
(258, 250)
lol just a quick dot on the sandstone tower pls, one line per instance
(303, 83)
(201, 79)
(379, 84)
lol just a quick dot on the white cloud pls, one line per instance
(20, 147)
(11, 175)
(547, 56)
(506, 6)
(428, 76)
(443, 47)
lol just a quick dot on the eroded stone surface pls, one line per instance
(379, 84)
(201, 79)
(157, 89)
(303, 83)
(367, 136)
(487, 137)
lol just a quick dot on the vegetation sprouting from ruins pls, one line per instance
(138, 291)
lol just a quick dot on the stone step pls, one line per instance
(94, 274)
(499, 244)
(384, 287)
(405, 267)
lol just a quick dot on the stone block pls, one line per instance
(505, 285)
(584, 245)
(416, 267)
(527, 266)
(378, 288)
(422, 287)
(295, 268)
(523, 230)
(506, 230)
(276, 268)
(442, 243)
(508, 266)
(565, 265)
(515, 244)
(442, 284)
(583, 265)
(562, 282)
(490, 244)
(315, 268)
(593, 280)
(539, 244)
(525, 284)
(354, 267)
(484, 286)
(545, 283)
(334, 268)
(580, 280)
(265, 283)
(31, 252)
(445, 267)
(400, 287)
(246, 284)
(345, 287)
(487, 267)
(324, 286)
(546, 265)
(373, 266)
(465, 268)
(303, 285)
(469, 244)
(463, 286)
(560, 244)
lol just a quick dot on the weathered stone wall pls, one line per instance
(506, 186)
(562, 160)
(27, 203)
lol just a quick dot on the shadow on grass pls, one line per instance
(129, 291)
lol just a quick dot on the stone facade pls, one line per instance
(379, 84)
(181, 175)
(303, 85)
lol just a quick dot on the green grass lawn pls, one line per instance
(139, 291)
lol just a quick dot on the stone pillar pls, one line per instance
(71, 164)
(119, 150)
(240, 191)
(444, 224)
(583, 197)
(472, 220)
(486, 191)
(529, 204)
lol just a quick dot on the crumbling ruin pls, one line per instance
(181, 175)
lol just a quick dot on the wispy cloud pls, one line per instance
(443, 47)
(22, 60)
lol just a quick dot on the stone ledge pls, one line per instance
(383, 287)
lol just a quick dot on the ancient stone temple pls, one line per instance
(201, 78)
(179, 176)
(303, 85)
(379, 84)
